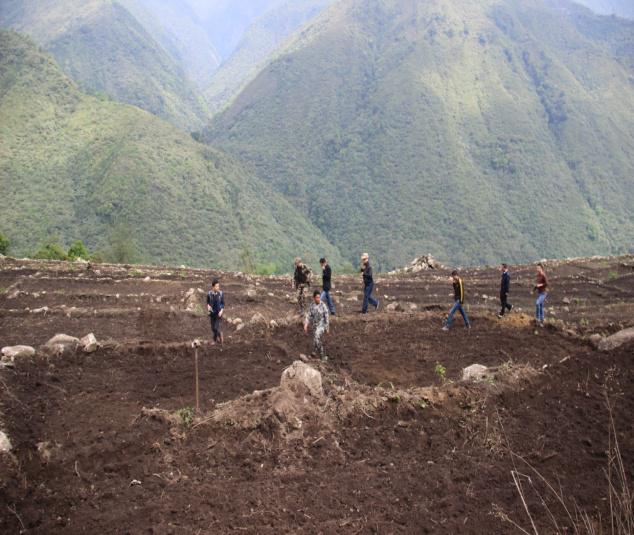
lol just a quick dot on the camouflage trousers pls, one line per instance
(301, 298)
(318, 340)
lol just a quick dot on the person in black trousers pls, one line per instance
(505, 288)
(326, 275)
(216, 308)
(368, 284)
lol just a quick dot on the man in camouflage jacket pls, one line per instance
(319, 318)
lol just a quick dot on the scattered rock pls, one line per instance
(240, 327)
(566, 300)
(273, 324)
(89, 343)
(12, 352)
(617, 340)
(42, 310)
(352, 298)
(252, 295)
(299, 376)
(61, 344)
(413, 307)
(595, 340)
(395, 307)
(5, 443)
(147, 279)
(422, 263)
(475, 372)
(257, 318)
(193, 299)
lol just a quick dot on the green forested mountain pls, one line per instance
(227, 20)
(78, 167)
(478, 130)
(620, 8)
(175, 26)
(261, 39)
(101, 46)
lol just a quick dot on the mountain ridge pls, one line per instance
(469, 121)
(77, 167)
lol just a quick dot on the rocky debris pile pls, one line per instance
(421, 263)
(300, 397)
(193, 300)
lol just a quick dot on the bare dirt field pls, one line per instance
(395, 441)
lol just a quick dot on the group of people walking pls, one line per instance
(317, 316)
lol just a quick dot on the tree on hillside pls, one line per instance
(123, 248)
(4, 244)
(51, 250)
(78, 250)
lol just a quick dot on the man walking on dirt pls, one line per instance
(505, 287)
(368, 284)
(458, 291)
(301, 281)
(326, 286)
(216, 309)
(318, 317)
(541, 286)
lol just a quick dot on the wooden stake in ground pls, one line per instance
(196, 345)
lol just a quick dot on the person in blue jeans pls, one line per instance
(326, 275)
(368, 284)
(458, 291)
(541, 286)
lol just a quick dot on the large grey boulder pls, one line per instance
(617, 340)
(299, 377)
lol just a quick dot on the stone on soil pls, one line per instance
(89, 343)
(394, 307)
(12, 352)
(617, 340)
(475, 372)
(257, 318)
(300, 376)
(5, 443)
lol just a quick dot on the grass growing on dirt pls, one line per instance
(186, 415)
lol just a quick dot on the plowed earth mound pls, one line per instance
(105, 442)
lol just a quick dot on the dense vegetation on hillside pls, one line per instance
(476, 130)
(74, 167)
(101, 46)
(175, 26)
(260, 40)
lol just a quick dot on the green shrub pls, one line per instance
(4, 244)
(51, 251)
(78, 250)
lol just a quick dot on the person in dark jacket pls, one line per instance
(326, 286)
(505, 288)
(301, 281)
(216, 309)
(368, 284)
(541, 286)
(458, 291)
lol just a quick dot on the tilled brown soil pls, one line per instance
(86, 460)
